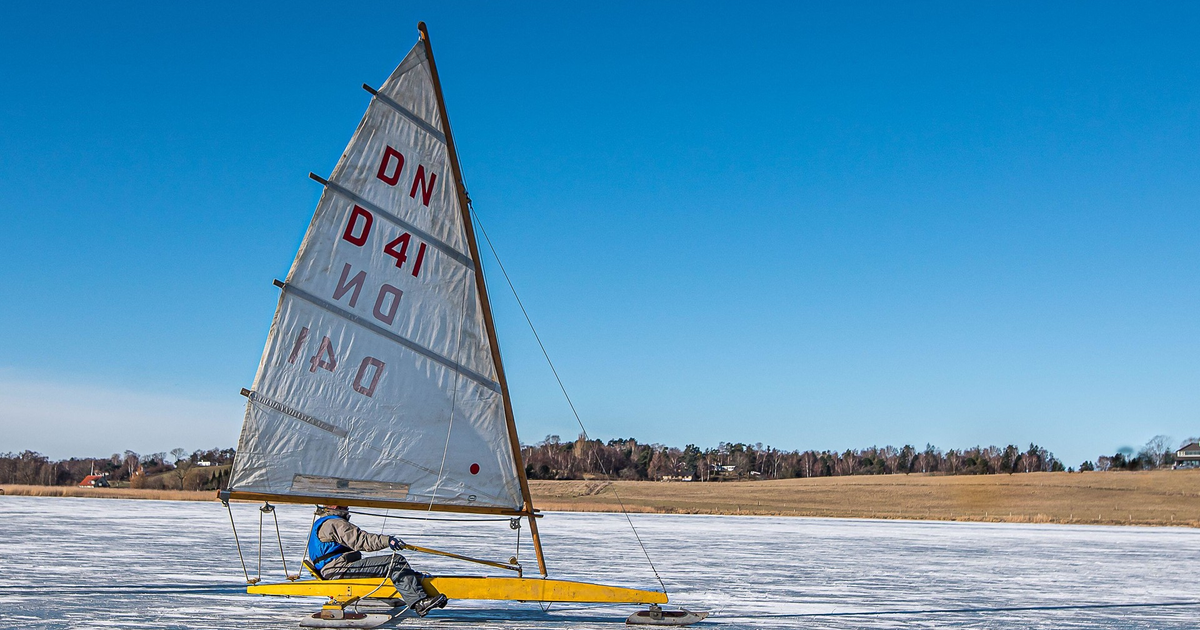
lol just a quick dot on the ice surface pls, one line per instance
(105, 563)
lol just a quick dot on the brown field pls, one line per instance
(1164, 497)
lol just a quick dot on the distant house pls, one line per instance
(723, 471)
(1188, 456)
(676, 478)
(94, 481)
(204, 462)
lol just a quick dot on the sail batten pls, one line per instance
(380, 383)
(411, 345)
(301, 416)
(404, 111)
(432, 240)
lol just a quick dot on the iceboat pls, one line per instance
(381, 384)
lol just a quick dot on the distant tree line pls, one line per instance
(627, 459)
(200, 470)
(553, 458)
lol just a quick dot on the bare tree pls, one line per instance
(131, 462)
(1156, 451)
(809, 461)
(182, 464)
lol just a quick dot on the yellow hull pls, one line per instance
(492, 588)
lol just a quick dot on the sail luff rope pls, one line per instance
(549, 362)
(387, 512)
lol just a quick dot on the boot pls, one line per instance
(426, 604)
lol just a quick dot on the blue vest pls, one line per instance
(321, 553)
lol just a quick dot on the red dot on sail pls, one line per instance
(474, 469)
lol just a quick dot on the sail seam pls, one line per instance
(412, 116)
(445, 247)
(258, 398)
(462, 314)
(407, 343)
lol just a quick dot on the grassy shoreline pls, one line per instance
(1163, 497)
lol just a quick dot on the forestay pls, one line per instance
(378, 380)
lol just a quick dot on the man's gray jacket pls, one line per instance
(343, 532)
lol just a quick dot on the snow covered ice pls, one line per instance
(106, 563)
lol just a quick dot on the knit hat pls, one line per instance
(333, 510)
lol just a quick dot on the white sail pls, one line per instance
(378, 380)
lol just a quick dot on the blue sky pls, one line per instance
(807, 225)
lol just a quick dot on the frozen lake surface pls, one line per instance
(105, 563)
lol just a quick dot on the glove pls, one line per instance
(395, 544)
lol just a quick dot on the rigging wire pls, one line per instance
(260, 537)
(517, 523)
(311, 533)
(424, 518)
(279, 539)
(238, 542)
(471, 211)
(579, 420)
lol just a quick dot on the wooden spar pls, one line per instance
(226, 495)
(480, 286)
(436, 552)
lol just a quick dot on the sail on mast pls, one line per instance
(485, 304)
(380, 383)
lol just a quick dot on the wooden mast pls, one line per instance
(480, 286)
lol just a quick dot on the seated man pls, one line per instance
(335, 546)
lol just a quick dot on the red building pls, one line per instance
(94, 481)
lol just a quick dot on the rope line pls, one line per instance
(387, 575)
(549, 362)
(386, 515)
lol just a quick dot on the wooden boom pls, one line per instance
(240, 495)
